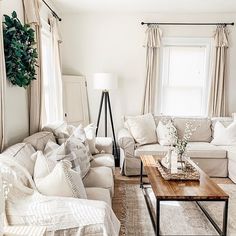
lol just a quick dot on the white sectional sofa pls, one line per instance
(216, 161)
(99, 186)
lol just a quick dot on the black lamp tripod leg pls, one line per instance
(99, 114)
(106, 93)
(112, 125)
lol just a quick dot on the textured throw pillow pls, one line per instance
(60, 131)
(57, 179)
(40, 139)
(142, 128)
(164, 132)
(90, 132)
(79, 133)
(75, 151)
(224, 136)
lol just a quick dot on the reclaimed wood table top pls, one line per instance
(204, 189)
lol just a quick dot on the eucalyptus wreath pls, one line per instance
(20, 51)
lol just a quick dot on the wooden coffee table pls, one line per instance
(168, 190)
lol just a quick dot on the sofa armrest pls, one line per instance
(126, 142)
(104, 144)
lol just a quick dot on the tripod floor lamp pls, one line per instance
(106, 82)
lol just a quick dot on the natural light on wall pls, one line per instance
(183, 90)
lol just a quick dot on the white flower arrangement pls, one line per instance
(180, 144)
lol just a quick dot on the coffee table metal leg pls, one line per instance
(157, 217)
(225, 217)
(141, 175)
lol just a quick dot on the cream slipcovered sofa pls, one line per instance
(216, 161)
(62, 215)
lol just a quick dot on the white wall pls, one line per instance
(103, 42)
(17, 115)
(17, 120)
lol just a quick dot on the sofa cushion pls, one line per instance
(194, 149)
(202, 133)
(40, 139)
(100, 177)
(103, 160)
(142, 128)
(21, 153)
(151, 149)
(164, 119)
(99, 194)
(205, 150)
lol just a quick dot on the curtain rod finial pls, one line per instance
(142, 23)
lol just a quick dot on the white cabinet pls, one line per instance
(75, 100)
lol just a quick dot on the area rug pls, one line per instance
(177, 218)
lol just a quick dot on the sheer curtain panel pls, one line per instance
(2, 84)
(217, 99)
(152, 44)
(32, 17)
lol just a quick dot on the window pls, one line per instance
(183, 87)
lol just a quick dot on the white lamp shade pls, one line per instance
(105, 81)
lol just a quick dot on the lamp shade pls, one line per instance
(104, 81)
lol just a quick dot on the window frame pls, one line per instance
(184, 42)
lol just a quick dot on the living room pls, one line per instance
(117, 117)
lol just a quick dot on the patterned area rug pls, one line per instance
(177, 218)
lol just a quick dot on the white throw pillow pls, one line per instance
(164, 133)
(79, 133)
(90, 132)
(57, 178)
(142, 128)
(224, 136)
(76, 152)
(59, 129)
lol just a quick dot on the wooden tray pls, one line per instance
(190, 173)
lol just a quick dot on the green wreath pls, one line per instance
(20, 51)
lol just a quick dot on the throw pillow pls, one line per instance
(90, 132)
(75, 151)
(57, 178)
(40, 139)
(224, 136)
(79, 133)
(164, 132)
(142, 128)
(59, 129)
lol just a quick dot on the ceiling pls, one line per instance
(181, 6)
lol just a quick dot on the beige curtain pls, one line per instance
(55, 105)
(152, 44)
(2, 85)
(32, 17)
(217, 99)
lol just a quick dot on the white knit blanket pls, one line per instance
(62, 216)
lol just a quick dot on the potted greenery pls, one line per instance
(20, 51)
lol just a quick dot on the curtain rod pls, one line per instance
(184, 23)
(53, 12)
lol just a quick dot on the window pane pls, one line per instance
(183, 101)
(184, 77)
(186, 66)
